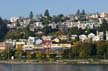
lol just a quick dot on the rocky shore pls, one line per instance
(54, 62)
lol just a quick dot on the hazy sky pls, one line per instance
(11, 8)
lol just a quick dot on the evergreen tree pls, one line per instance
(46, 13)
(83, 12)
(78, 12)
(3, 29)
(31, 15)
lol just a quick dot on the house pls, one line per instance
(19, 45)
(73, 37)
(65, 45)
(26, 21)
(62, 26)
(56, 40)
(31, 40)
(47, 44)
(96, 38)
(61, 46)
(38, 41)
(32, 27)
(38, 24)
(100, 34)
(95, 15)
(53, 25)
(81, 25)
(106, 35)
(4, 46)
(33, 48)
(11, 41)
(69, 24)
(62, 37)
(90, 25)
(10, 26)
(83, 37)
(46, 37)
(14, 19)
(74, 24)
(55, 45)
(28, 47)
(91, 35)
(103, 15)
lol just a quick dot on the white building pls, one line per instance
(91, 35)
(53, 25)
(39, 24)
(83, 37)
(14, 19)
(96, 38)
(28, 47)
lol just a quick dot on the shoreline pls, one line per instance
(63, 62)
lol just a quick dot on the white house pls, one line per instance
(106, 35)
(14, 19)
(28, 47)
(38, 41)
(103, 15)
(81, 25)
(63, 37)
(39, 24)
(96, 38)
(73, 37)
(91, 35)
(31, 40)
(90, 25)
(53, 25)
(83, 37)
(46, 37)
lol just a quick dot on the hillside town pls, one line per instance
(45, 36)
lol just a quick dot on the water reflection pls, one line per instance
(12, 67)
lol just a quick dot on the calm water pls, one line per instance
(4, 67)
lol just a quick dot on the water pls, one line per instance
(8, 67)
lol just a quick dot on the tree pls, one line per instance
(3, 29)
(78, 12)
(74, 51)
(18, 53)
(85, 50)
(46, 29)
(46, 13)
(106, 53)
(101, 48)
(31, 15)
(83, 12)
(58, 18)
(103, 26)
(13, 35)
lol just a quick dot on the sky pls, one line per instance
(11, 8)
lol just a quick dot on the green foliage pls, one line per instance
(85, 50)
(46, 29)
(75, 30)
(19, 33)
(13, 35)
(101, 48)
(58, 18)
(104, 25)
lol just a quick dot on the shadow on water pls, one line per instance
(30, 67)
